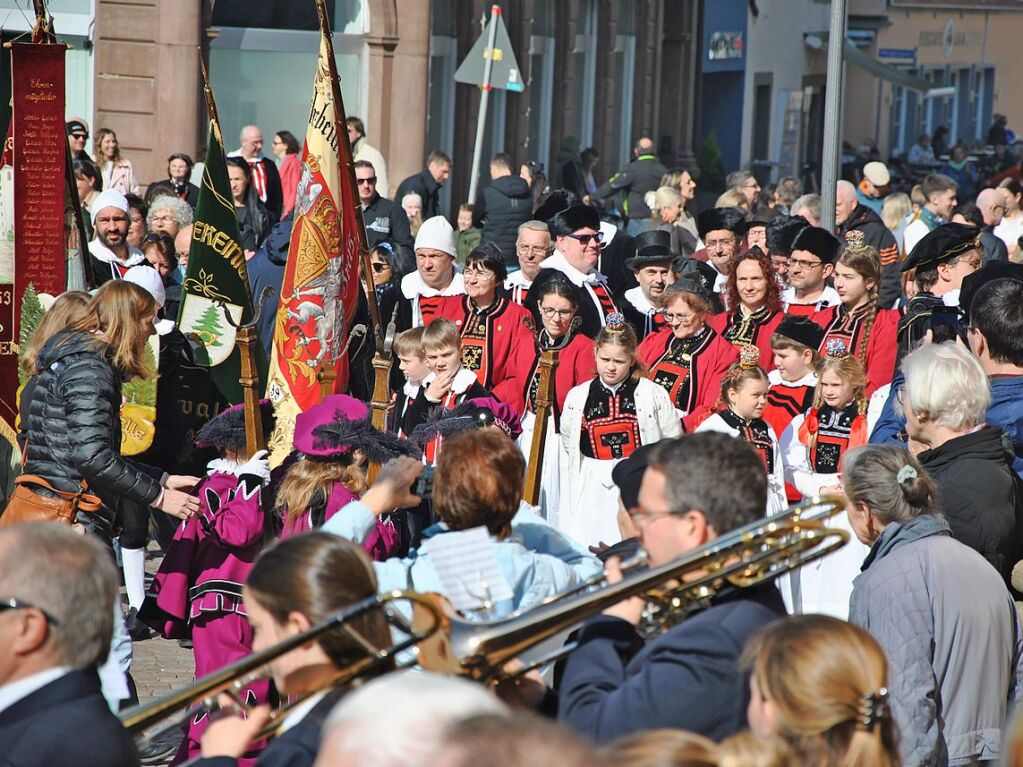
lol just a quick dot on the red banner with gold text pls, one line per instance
(38, 163)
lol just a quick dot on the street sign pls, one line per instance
(897, 55)
(504, 72)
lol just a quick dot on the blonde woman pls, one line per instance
(821, 685)
(117, 171)
(733, 198)
(895, 213)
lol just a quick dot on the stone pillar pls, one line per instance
(147, 80)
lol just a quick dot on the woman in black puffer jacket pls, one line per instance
(70, 410)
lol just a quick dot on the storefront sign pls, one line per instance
(725, 45)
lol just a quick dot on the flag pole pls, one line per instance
(481, 121)
(382, 357)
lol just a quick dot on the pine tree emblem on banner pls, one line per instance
(216, 284)
(321, 279)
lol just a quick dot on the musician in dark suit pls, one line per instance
(57, 591)
(694, 490)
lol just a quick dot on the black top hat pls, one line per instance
(802, 330)
(652, 247)
(820, 242)
(717, 219)
(573, 219)
(942, 244)
(782, 231)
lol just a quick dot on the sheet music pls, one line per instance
(468, 569)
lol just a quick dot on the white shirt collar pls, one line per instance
(301, 710)
(517, 280)
(775, 379)
(829, 297)
(459, 384)
(637, 298)
(16, 691)
(412, 285)
(951, 298)
(558, 261)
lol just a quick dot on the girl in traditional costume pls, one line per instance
(744, 397)
(812, 448)
(604, 421)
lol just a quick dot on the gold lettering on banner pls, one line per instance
(220, 242)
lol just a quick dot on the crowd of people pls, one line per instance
(712, 369)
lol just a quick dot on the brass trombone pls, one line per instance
(745, 557)
(177, 707)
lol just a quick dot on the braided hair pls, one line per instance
(865, 261)
(850, 370)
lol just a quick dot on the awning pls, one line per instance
(852, 54)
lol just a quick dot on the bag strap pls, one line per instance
(80, 499)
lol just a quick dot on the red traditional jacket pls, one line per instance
(575, 366)
(755, 329)
(694, 384)
(851, 327)
(490, 340)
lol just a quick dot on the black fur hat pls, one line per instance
(782, 231)
(818, 241)
(717, 219)
(555, 202)
(226, 431)
(573, 219)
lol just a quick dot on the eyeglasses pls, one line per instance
(370, 181)
(804, 264)
(719, 243)
(536, 250)
(154, 237)
(670, 317)
(19, 604)
(562, 314)
(638, 515)
(479, 274)
(162, 218)
(378, 267)
(584, 239)
(751, 184)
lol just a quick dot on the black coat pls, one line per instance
(501, 208)
(979, 494)
(688, 678)
(423, 185)
(71, 422)
(295, 748)
(66, 722)
(166, 187)
(266, 270)
(640, 176)
(386, 220)
(991, 246)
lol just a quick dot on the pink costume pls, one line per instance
(198, 590)
(382, 542)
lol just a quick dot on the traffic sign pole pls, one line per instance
(481, 122)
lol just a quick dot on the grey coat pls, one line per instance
(952, 635)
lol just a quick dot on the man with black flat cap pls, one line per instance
(652, 266)
(813, 253)
(577, 237)
(721, 230)
(941, 259)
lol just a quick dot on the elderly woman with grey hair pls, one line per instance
(168, 214)
(944, 618)
(945, 398)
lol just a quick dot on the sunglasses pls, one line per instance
(18, 604)
(80, 136)
(371, 180)
(584, 239)
(379, 268)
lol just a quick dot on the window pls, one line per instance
(584, 73)
(540, 87)
(625, 75)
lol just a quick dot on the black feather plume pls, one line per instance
(465, 416)
(378, 447)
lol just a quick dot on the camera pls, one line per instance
(423, 486)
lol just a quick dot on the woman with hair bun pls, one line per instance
(941, 613)
(821, 685)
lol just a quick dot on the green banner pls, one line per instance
(216, 281)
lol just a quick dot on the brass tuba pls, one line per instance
(745, 557)
(179, 706)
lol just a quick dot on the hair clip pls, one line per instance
(836, 347)
(749, 357)
(615, 322)
(855, 240)
(873, 709)
(905, 473)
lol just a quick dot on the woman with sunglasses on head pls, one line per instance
(491, 325)
(688, 358)
(752, 290)
(558, 303)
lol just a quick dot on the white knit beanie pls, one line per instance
(147, 278)
(436, 233)
(108, 198)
